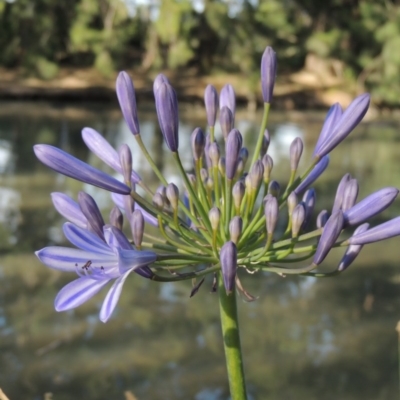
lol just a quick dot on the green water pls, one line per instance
(303, 338)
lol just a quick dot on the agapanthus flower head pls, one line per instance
(226, 217)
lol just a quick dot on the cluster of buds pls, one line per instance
(231, 215)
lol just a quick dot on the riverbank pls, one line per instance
(305, 89)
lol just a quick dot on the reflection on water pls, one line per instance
(303, 339)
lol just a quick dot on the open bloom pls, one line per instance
(97, 263)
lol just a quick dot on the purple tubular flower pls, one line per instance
(227, 98)
(331, 232)
(383, 231)
(226, 121)
(309, 200)
(127, 101)
(137, 227)
(322, 218)
(232, 149)
(271, 211)
(268, 73)
(228, 259)
(99, 146)
(313, 175)
(97, 263)
(337, 204)
(370, 206)
(160, 78)
(350, 194)
(92, 213)
(211, 103)
(296, 150)
(167, 112)
(116, 217)
(331, 120)
(352, 251)
(348, 121)
(198, 142)
(119, 202)
(298, 216)
(65, 164)
(125, 157)
(69, 209)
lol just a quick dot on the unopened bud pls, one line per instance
(291, 202)
(350, 195)
(274, 188)
(296, 150)
(172, 193)
(125, 158)
(203, 174)
(268, 164)
(235, 228)
(271, 211)
(92, 213)
(244, 155)
(214, 153)
(256, 174)
(198, 141)
(237, 194)
(116, 217)
(215, 216)
(232, 149)
(222, 166)
(226, 121)
(298, 216)
(137, 227)
(211, 103)
(228, 259)
(158, 201)
(322, 218)
(265, 143)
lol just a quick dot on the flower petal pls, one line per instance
(78, 292)
(116, 239)
(69, 259)
(112, 297)
(65, 164)
(69, 209)
(86, 240)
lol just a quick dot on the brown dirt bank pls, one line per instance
(301, 90)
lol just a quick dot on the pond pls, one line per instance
(302, 339)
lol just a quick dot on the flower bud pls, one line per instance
(116, 218)
(268, 164)
(228, 260)
(232, 149)
(271, 211)
(274, 188)
(265, 143)
(268, 73)
(322, 219)
(226, 121)
(383, 231)
(167, 112)
(337, 204)
(92, 213)
(350, 194)
(210, 183)
(198, 142)
(298, 217)
(235, 228)
(125, 157)
(215, 216)
(256, 174)
(203, 174)
(211, 103)
(240, 168)
(158, 201)
(137, 227)
(127, 101)
(370, 206)
(222, 166)
(315, 173)
(352, 250)
(244, 154)
(309, 200)
(172, 193)
(213, 153)
(329, 236)
(227, 98)
(237, 194)
(296, 150)
(192, 180)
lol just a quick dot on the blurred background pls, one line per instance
(303, 339)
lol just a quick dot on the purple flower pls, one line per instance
(227, 98)
(313, 175)
(331, 232)
(97, 263)
(353, 250)
(226, 121)
(99, 146)
(211, 103)
(296, 150)
(380, 232)
(65, 164)
(228, 259)
(268, 73)
(198, 142)
(69, 209)
(340, 128)
(92, 213)
(370, 206)
(167, 112)
(331, 120)
(337, 204)
(127, 101)
(232, 149)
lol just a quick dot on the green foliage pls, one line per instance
(226, 36)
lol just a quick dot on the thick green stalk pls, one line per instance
(231, 338)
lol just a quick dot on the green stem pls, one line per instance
(231, 338)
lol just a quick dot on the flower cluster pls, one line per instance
(226, 218)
